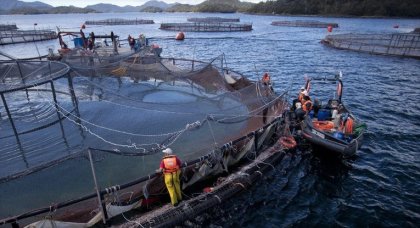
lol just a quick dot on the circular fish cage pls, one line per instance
(77, 132)
(397, 44)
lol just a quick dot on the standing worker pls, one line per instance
(171, 167)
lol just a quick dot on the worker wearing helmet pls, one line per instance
(171, 168)
(298, 101)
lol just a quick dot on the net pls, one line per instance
(209, 115)
(400, 44)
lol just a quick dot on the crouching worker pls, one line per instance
(171, 168)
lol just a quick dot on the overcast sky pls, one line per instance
(83, 3)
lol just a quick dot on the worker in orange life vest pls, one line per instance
(299, 99)
(306, 106)
(171, 168)
(266, 79)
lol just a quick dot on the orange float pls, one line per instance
(180, 36)
(287, 142)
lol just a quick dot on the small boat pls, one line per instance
(332, 126)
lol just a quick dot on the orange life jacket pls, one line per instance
(170, 164)
(266, 78)
(304, 106)
(347, 127)
(300, 97)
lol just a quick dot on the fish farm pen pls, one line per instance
(309, 24)
(133, 106)
(212, 19)
(119, 21)
(8, 27)
(398, 44)
(206, 27)
(24, 36)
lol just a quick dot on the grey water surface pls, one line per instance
(379, 187)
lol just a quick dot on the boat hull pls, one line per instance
(328, 142)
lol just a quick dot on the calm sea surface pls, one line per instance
(379, 187)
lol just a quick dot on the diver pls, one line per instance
(171, 168)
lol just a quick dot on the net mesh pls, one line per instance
(126, 108)
(401, 44)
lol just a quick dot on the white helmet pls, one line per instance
(167, 151)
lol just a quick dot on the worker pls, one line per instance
(171, 168)
(266, 79)
(298, 101)
(305, 108)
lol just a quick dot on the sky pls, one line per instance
(83, 3)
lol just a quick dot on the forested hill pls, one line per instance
(388, 8)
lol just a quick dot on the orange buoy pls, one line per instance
(330, 28)
(180, 36)
(287, 142)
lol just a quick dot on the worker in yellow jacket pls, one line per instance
(171, 168)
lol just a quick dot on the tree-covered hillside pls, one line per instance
(393, 8)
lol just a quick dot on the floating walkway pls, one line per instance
(242, 180)
(212, 19)
(119, 21)
(309, 24)
(24, 36)
(206, 27)
(400, 44)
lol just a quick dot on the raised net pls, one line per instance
(126, 110)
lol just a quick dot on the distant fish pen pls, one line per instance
(8, 27)
(24, 36)
(400, 44)
(119, 21)
(206, 27)
(310, 24)
(212, 19)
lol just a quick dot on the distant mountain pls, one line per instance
(223, 6)
(181, 8)
(213, 6)
(7, 5)
(154, 3)
(53, 10)
(152, 9)
(19, 7)
(110, 8)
